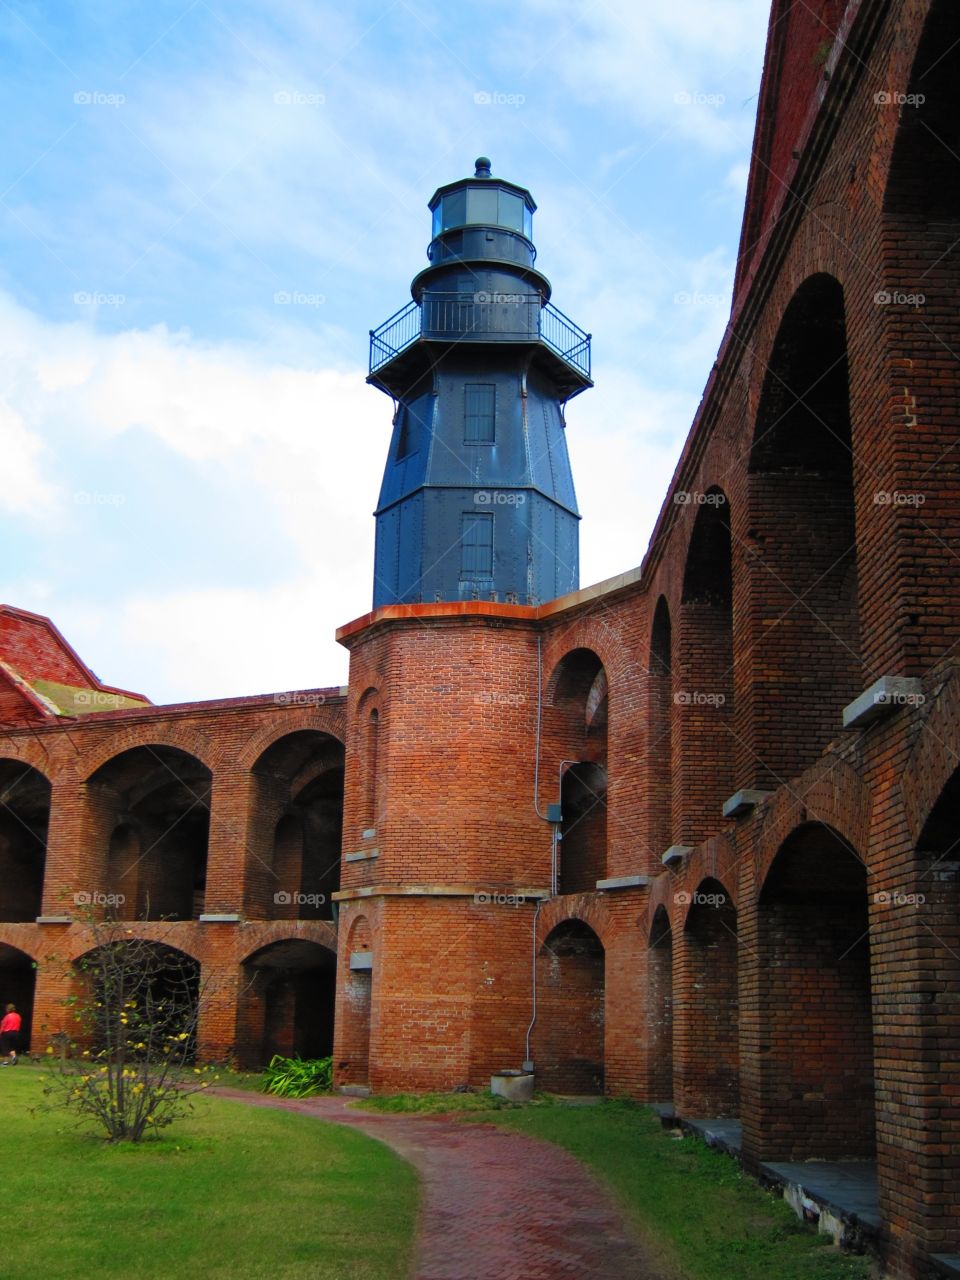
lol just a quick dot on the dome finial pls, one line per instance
(483, 167)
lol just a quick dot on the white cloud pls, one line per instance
(664, 65)
(24, 489)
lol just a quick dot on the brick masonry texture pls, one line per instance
(798, 965)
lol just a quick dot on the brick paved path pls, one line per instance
(496, 1205)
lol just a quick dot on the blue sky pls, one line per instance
(192, 463)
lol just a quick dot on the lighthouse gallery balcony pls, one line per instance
(483, 317)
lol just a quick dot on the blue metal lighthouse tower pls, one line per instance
(477, 500)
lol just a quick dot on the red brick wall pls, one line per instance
(707, 1076)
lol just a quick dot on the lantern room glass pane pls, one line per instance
(510, 212)
(482, 205)
(454, 209)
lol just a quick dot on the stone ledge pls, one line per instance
(437, 891)
(364, 855)
(883, 698)
(220, 917)
(54, 920)
(742, 802)
(623, 882)
(676, 854)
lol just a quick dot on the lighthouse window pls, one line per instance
(404, 434)
(454, 209)
(482, 205)
(511, 211)
(479, 412)
(476, 546)
(413, 423)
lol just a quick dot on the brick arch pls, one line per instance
(715, 859)
(899, 77)
(355, 1001)
(689, 896)
(568, 1035)
(82, 942)
(921, 280)
(361, 930)
(663, 893)
(192, 742)
(798, 609)
(934, 758)
(815, 1094)
(590, 910)
(706, 995)
(554, 662)
(703, 744)
(320, 932)
(657, 776)
(574, 740)
(808, 259)
(30, 753)
(366, 756)
(299, 720)
(370, 698)
(13, 937)
(831, 794)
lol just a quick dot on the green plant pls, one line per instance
(130, 1069)
(298, 1077)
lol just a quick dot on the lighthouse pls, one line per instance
(477, 500)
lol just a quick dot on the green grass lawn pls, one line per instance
(230, 1192)
(694, 1204)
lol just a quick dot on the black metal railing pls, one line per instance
(497, 317)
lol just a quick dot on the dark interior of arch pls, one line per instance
(803, 422)
(302, 780)
(708, 578)
(155, 801)
(925, 175)
(288, 1004)
(24, 817)
(661, 640)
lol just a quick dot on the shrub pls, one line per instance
(298, 1077)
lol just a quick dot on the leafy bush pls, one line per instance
(134, 1014)
(298, 1077)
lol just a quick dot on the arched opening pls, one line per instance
(567, 1041)
(914, 453)
(287, 1003)
(703, 685)
(660, 1008)
(578, 729)
(355, 1008)
(162, 981)
(708, 1061)
(299, 821)
(24, 818)
(937, 1008)
(805, 632)
(816, 1025)
(660, 729)
(18, 981)
(370, 768)
(152, 804)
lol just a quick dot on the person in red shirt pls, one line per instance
(10, 1035)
